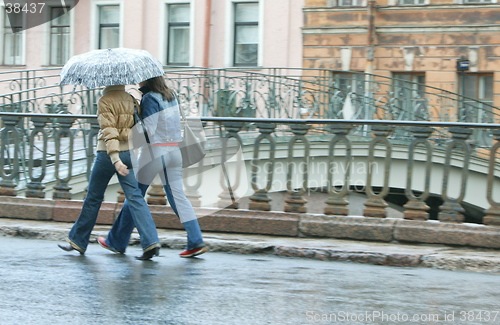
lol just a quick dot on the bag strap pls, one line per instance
(138, 118)
(181, 112)
(136, 108)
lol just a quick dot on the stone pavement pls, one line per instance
(327, 249)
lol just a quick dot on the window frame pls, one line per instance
(163, 31)
(236, 24)
(95, 16)
(6, 29)
(349, 85)
(478, 85)
(475, 2)
(466, 113)
(103, 26)
(424, 2)
(411, 95)
(50, 35)
(177, 24)
(359, 3)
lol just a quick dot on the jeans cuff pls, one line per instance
(200, 245)
(152, 246)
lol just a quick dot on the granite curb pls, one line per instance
(275, 223)
(326, 249)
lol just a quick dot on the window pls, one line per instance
(13, 39)
(409, 97)
(478, 87)
(59, 35)
(351, 3)
(178, 34)
(109, 27)
(347, 98)
(411, 2)
(246, 34)
(479, 1)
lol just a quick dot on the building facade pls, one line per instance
(448, 44)
(180, 33)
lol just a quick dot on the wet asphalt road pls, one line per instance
(41, 284)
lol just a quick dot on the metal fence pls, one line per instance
(51, 157)
(269, 93)
(48, 132)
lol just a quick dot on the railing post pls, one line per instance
(227, 198)
(90, 150)
(192, 190)
(375, 205)
(9, 170)
(337, 203)
(121, 196)
(156, 195)
(62, 189)
(416, 208)
(295, 202)
(492, 216)
(260, 199)
(452, 210)
(90, 155)
(35, 188)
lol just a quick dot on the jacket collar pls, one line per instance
(144, 89)
(113, 88)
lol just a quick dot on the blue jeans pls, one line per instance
(168, 164)
(101, 174)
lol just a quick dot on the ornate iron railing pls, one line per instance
(286, 152)
(48, 131)
(268, 93)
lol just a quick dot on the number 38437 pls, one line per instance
(27, 8)
(480, 316)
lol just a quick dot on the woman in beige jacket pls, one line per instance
(116, 118)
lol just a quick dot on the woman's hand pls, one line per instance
(121, 168)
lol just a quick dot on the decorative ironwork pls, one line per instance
(416, 208)
(35, 187)
(337, 203)
(375, 205)
(493, 213)
(452, 210)
(63, 136)
(10, 158)
(295, 202)
(260, 199)
(48, 131)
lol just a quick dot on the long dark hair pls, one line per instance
(158, 85)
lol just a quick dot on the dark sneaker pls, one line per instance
(193, 252)
(71, 246)
(147, 255)
(102, 242)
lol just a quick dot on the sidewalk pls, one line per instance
(327, 249)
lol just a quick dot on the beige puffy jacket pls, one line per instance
(116, 116)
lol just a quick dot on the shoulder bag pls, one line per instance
(191, 147)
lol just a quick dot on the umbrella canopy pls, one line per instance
(117, 66)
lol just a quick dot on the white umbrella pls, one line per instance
(117, 66)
